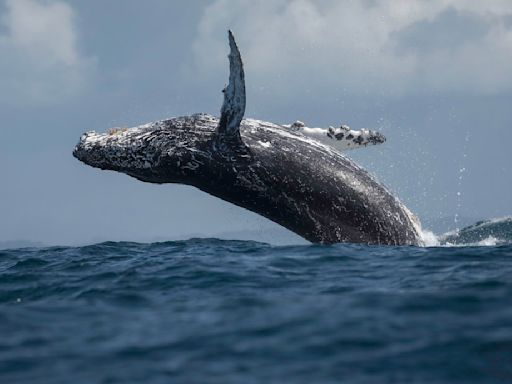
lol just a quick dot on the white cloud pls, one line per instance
(40, 59)
(393, 47)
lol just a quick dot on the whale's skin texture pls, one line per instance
(291, 179)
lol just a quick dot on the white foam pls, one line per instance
(488, 242)
(429, 238)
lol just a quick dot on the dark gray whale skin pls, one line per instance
(284, 176)
(293, 180)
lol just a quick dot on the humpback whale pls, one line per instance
(291, 174)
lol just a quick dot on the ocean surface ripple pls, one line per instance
(215, 311)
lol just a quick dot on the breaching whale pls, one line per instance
(286, 173)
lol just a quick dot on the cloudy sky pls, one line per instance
(433, 76)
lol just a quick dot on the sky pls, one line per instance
(433, 76)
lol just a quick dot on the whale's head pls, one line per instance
(166, 151)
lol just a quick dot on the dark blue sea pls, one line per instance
(214, 311)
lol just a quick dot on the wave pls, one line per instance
(211, 310)
(492, 232)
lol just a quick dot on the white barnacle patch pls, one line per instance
(117, 148)
(265, 144)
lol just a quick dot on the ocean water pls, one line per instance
(214, 311)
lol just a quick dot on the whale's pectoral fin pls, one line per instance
(233, 108)
(344, 138)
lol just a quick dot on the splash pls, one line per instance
(491, 232)
(429, 238)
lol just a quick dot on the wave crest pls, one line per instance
(491, 232)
